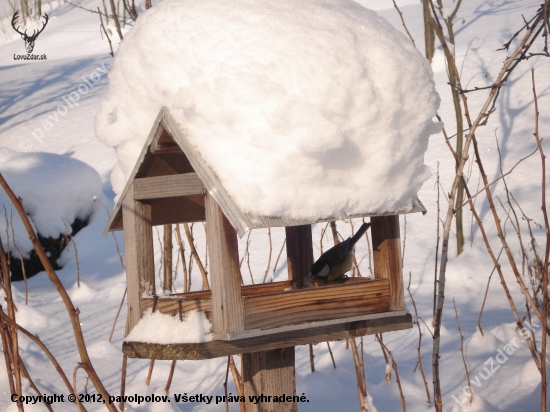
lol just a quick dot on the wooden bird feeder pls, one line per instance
(170, 184)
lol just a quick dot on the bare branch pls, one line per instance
(403, 21)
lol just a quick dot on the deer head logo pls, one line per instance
(29, 40)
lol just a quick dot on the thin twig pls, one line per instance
(486, 187)
(77, 398)
(394, 367)
(170, 376)
(403, 22)
(278, 257)
(183, 261)
(323, 232)
(150, 372)
(378, 338)
(248, 256)
(191, 243)
(92, 11)
(118, 313)
(71, 239)
(311, 356)
(462, 349)
(486, 293)
(225, 385)
(270, 252)
(418, 349)
(27, 376)
(7, 358)
(238, 381)
(369, 252)
(547, 251)
(115, 18)
(361, 382)
(11, 353)
(112, 233)
(331, 355)
(436, 246)
(105, 31)
(22, 264)
(355, 264)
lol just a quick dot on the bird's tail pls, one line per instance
(355, 238)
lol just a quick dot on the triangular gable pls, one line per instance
(167, 138)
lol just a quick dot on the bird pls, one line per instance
(336, 261)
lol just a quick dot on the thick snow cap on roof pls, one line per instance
(303, 109)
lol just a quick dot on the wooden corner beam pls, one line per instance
(386, 244)
(138, 246)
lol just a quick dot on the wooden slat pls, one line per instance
(302, 326)
(177, 210)
(258, 289)
(167, 186)
(138, 245)
(269, 373)
(172, 306)
(386, 246)
(223, 246)
(322, 303)
(264, 288)
(216, 349)
(299, 252)
(202, 300)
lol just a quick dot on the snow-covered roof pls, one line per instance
(302, 111)
(167, 137)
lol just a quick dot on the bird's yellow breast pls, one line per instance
(339, 270)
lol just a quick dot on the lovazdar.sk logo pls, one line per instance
(29, 40)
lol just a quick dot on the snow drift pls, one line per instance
(55, 190)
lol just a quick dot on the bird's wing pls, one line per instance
(343, 249)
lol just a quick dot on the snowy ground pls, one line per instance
(30, 91)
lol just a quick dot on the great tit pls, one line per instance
(338, 259)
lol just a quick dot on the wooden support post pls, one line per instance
(273, 372)
(225, 277)
(299, 252)
(269, 373)
(386, 246)
(167, 281)
(138, 245)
